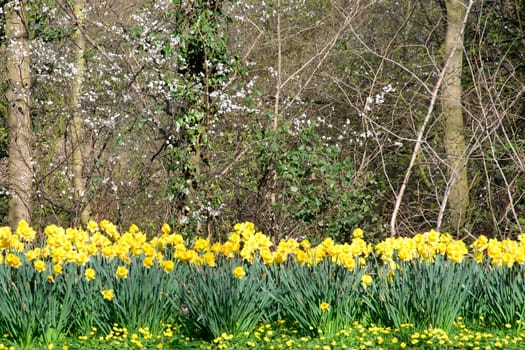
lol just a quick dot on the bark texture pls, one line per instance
(20, 169)
(76, 131)
(451, 93)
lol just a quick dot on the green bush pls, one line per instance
(321, 193)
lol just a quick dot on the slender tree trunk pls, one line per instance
(276, 106)
(451, 92)
(450, 60)
(75, 129)
(20, 171)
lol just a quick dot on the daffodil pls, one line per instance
(108, 294)
(90, 274)
(57, 269)
(239, 272)
(366, 280)
(324, 306)
(13, 260)
(168, 265)
(40, 265)
(122, 272)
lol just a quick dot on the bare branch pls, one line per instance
(426, 120)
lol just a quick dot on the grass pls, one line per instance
(284, 335)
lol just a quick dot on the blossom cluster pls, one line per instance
(59, 246)
(423, 247)
(505, 252)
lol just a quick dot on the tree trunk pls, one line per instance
(82, 208)
(20, 171)
(451, 94)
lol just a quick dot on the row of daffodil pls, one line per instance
(426, 246)
(74, 245)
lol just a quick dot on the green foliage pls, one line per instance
(299, 291)
(39, 25)
(145, 297)
(38, 308)
(31, 306)
(204, 65)
(425, 294)
(217, 302)
(321, 191)
(504, 293)
(90, 309)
